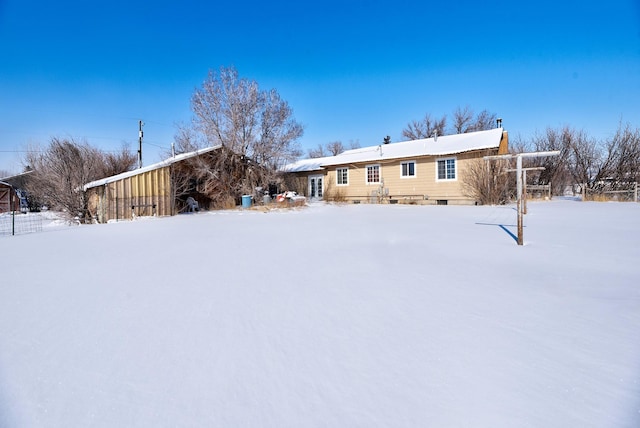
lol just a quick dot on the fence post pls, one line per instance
(13, 212)
(636, 193)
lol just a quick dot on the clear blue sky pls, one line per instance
(351, 70)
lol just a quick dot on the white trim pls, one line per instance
(455, 168)
(415, 169)
(338, 175)
(366, 174)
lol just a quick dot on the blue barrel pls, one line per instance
(246, 201)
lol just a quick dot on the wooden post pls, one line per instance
(13, 212)
(524, 190)
(519, 199)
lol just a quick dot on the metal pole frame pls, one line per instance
(519, 172)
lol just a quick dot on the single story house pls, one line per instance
(142, 192)
(426, 171)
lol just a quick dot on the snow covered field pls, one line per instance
(336, 316)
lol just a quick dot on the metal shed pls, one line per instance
(142, 192)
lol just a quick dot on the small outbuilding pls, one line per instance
(13, 197)
(142, 192)
(9, 200)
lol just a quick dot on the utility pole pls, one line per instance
(140, 134)
(519, 185)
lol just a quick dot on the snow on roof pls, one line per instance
(444, 145)
(12, 177)
(153, 167)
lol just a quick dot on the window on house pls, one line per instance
(373, 174)
(343, 176)
(446, 169)
(408, 169)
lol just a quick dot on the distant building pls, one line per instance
(12, 194)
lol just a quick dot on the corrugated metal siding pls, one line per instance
(145, 194)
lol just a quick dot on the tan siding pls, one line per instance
(503, 149)
(114, 201)
(423, 188)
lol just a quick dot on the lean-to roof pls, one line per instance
(153, 167)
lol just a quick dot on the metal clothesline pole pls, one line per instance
(519, 173)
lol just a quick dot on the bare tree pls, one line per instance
(119, 161)
(425, 128)
(584, 157)
(335, 148)
(622, 161)
(318, 152)
(61, 170)
(556, 168)
(518, 144)
(330, 149)
(484, 121)
(487, 182)
(186, 140)
(256, 129)
(462, 120)
(354, 144)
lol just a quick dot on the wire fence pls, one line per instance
(15, 223)
(624, 192)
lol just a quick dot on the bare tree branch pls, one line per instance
(426, 128)
(256, 129)
(61, 170)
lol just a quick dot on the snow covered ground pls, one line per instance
(337, 316)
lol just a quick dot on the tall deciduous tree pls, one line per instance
(622, 161)
(256, 129)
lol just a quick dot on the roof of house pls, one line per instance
(440, 146)
(166, 162)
